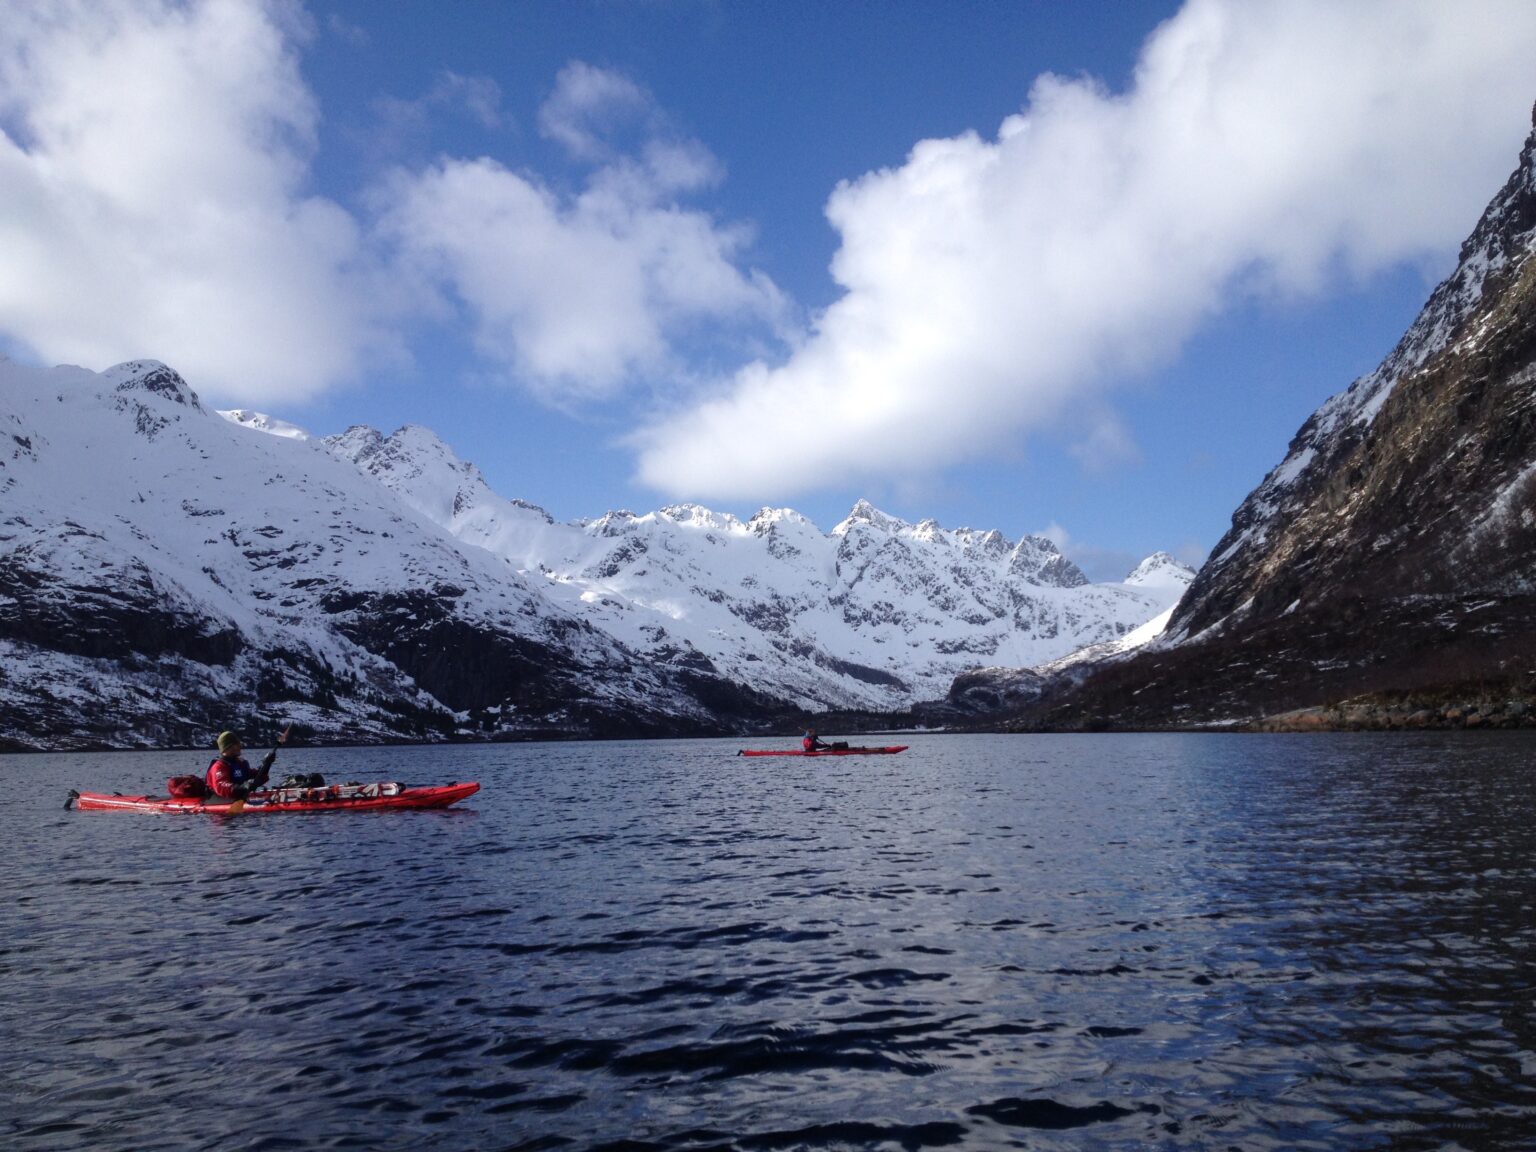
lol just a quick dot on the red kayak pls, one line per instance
(324, 798)
(887, 751)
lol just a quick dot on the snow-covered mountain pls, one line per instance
(876, 615)
(264, 423)
(1161, 570)
(167, 571)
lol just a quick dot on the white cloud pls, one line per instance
(1106, 444)
(154, 156)
(990, 284)
(155, 162)
(151, 172)
(587, 105)
(578, 296)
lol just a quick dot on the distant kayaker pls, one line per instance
(811, 742)
(230, 776)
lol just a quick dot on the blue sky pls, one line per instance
(1075, 268)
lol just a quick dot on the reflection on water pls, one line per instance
(1107, 942)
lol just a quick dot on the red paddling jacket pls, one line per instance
(232, 779)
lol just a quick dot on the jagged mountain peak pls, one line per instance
(1038, 560)
(989, 543)
(424, 471)
(357, 440)
(861, 616)
(1161, 568)
(411, 445)
(420, 438)
(768, 519)
(1035, 559)
(366, 448)
(613, 523)
(698, 516)
(152, 378)
(413, 452)
(866, 515)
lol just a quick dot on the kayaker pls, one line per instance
(230, 776)
(813, 743)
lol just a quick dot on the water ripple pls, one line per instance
(1263, 943)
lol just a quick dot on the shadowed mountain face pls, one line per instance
(1393, 552)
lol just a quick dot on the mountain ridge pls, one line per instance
(956, 580)
(210, 569)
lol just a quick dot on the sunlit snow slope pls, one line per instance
(167, 571)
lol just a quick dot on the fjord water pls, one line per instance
(1105, 942)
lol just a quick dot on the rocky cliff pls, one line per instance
(1383, 572)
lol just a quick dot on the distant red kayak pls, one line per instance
(323, 798)
(887, 751)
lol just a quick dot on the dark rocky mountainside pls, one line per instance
(1385, 572)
